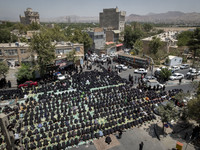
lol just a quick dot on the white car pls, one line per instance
(121, 66)
(61, 77)
(147, 78)
(176, 76)
(175, 68)
(153, 83)
(193, 72)
(141, 71)
(184, 66)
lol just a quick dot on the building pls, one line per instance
(98, 37)
(16, 53)
(30, 17)
(174, 61)
(168, 38)
(112, 19)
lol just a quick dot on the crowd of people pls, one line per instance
(83, 107)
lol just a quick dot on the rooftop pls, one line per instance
(14, 44)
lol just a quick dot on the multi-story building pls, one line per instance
(98, 37)
(30, 17)
(113, 19)
(16, 53)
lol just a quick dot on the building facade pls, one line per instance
(98, 37)
(30, 17)
(112, 18)
(17, 53)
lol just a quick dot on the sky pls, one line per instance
(11, 9)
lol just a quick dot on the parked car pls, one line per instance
(147, 78)
(176, 76)
(141, 71)
(28, 84)
(184, 66)
(121, 66)
(153, 83)
(61, 77)
(175, 68)
(192, 72)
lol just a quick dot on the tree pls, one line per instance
(168, 113)
(147, 27)
(87, 41)
(71, 56)
(194, 109)
(165, 73)
(5, 36)
(56, 34)
(194, 44)
(155, 45)
(194, 105)
(42, 46)
(3, 69)
(184, 37)
(24, 73)
(138, 45)
(131, 35)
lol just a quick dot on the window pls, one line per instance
(10, 52)
(63, 51)
(78, 49)
(0, 52)
(23, 51)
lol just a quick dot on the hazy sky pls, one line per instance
(56, 8)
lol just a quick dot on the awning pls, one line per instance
(108, 43)
(118, 45)
(116, 31)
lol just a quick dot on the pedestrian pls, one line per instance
(163, 87)
(141, 146)
(192, 78)
(108, 140)
(180, 81)
(120, 134)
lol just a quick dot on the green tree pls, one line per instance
(168, 113)
(56, 34)
(71, 56)
(42, 46)
(194, 109)
(87, 41)
(24, 73)
(5, 36)
(132, 35)
(147, 27)
(138, 45)
(34, 26)
(165, 73)
(194, 44)
(3, 69)
(184, 37)
(155, 45)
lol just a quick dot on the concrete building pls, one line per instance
(30, 17)
(16, 53)
(112, 18)
(168, 38)
(98, 37)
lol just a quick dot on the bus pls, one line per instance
(134, 61)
